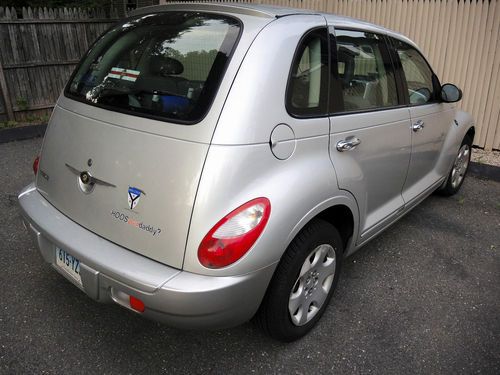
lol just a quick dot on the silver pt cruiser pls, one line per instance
(208, 163)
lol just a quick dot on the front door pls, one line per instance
(370, 133)
(430, 121)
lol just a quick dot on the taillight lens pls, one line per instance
(35, 165)
(235, 234)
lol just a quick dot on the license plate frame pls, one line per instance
(69, 264)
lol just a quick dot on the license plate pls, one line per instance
(69, 264)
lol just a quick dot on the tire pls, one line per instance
(295, 287)
(459, 169)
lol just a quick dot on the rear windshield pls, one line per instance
(166, 65)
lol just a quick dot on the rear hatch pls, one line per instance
(126, 143)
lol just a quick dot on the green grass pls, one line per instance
(8, 124)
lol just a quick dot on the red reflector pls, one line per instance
(136, 304)
(35, 165)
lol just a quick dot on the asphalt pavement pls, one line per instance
(424, 297)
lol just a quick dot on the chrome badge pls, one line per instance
(86, 181)
(85, 177)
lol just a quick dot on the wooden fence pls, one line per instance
(38, 51)
(461, 38)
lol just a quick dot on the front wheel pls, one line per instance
(303, 283)
(459, 168)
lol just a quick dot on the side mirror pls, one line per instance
(450, 93)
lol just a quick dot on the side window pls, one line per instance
(365, 73)
(417, 72)
(307, 91)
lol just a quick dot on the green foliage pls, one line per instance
(44, 119)
(8, 124)
(36, 119)
(196, 63)
(22, 104)
(31, 118)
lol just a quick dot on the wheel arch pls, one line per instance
(340, 216)
(342, 212)
(471, 132)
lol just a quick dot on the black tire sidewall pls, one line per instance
(316, 233)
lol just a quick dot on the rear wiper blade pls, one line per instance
(114, 92)
(157, 92)
(110, 92)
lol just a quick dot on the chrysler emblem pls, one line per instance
(86, 181)
(85, 177)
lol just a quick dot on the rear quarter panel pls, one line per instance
(298, 188)
(458, 128)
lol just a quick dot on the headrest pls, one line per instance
(165, 66)
(346, 54)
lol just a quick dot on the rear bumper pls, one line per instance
(111, 273)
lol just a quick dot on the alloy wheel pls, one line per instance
(312, 285)
(460, 166)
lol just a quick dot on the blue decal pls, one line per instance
(133, 196)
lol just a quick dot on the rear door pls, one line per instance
(370, 135)
(430, 120)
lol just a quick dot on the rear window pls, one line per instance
(166, 65)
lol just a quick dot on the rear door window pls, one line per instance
(364, 71)
(307, 92)
(166, 65)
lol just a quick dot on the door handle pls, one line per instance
(419, 125)
(348, 144)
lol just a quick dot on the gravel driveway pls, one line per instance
(424, 297)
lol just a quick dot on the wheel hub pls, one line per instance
(313, 285)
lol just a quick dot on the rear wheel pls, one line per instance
(303, 282)
(459, 168)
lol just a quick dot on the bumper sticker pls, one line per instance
(125, 74)
(124, 218)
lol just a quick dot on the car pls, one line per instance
(208, 164)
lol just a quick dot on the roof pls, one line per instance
(269, 11)
(258, 10)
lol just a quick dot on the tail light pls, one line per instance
(235, 234)
(35, 165)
